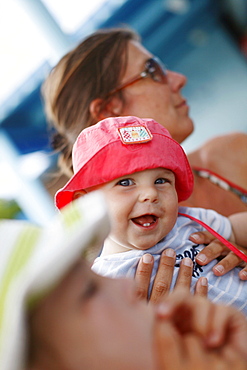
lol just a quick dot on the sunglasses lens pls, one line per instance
(156, 70)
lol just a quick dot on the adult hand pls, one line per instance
(216, 249)
(163, 279)
(188, 352)
(193, 333)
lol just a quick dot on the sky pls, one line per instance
(23, 47)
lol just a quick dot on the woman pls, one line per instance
(111, 74)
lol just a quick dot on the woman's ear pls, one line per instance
(79, 193)
(100, 110)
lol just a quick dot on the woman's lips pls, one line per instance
(181, 104)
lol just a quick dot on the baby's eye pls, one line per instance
(125, 182)
(161, 180)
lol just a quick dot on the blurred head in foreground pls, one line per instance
(55, 313)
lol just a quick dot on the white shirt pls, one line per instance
(228, 289)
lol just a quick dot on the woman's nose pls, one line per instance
(176, 80)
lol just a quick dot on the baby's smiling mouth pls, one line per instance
(145, 220)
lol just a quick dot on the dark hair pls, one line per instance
(90, 71)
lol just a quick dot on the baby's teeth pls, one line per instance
(147, 224)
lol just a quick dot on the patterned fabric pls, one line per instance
(222, 182)
(33, 259)
(228, 288)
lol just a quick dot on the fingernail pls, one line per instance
(163, 309)
(243, 275)
(204, 281)
(219, 268)
(201, 257)
(170, 252)
(195, 237)
(147, 258)
(187, 262)
(213, 338)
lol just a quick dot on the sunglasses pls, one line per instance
(154, 68)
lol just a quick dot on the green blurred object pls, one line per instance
(8, 208)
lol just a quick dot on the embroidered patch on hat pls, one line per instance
(134, 134)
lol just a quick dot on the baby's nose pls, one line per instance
(148, 194)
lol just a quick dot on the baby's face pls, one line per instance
(143, 208)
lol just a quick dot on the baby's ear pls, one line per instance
(78, 194)
(99, 109)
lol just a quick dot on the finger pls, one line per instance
(226, 264)
(143, 275)
(228, 326)
(201, 288)
(201, 316)
(198, 357)
(233, 358)
(184, 274)
(164, 275)
(210, 252)
(187, 312)
(168, 346)
(243, 273)
(165, 309)
(202, 237)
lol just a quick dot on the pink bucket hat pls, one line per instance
(119, 146)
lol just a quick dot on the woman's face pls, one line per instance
(94, 323)
(149, 99)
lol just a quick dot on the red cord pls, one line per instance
(218, 236)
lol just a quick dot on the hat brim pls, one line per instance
(166, 153)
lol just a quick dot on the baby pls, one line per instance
(144, 174)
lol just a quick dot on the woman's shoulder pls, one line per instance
(212, 148)
(225, 155)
